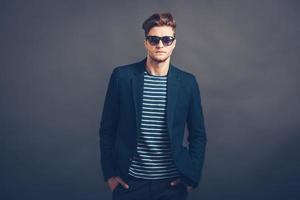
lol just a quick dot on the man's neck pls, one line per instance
(157, 68)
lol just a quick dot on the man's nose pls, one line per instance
(160, 44)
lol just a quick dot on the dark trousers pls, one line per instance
(141, 189)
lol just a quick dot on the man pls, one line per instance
(147, 106)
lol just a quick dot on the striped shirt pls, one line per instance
(153, 157)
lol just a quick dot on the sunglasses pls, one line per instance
(166, 40)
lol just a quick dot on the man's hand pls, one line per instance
(114, 181)
(173, 183)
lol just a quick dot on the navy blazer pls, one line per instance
(121, 119)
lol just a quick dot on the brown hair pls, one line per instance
(159, 19)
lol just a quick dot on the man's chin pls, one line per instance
(160, 60)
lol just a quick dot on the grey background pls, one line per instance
(56, 59)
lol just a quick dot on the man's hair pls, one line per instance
(159, 19)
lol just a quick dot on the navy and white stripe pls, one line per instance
(153, 158)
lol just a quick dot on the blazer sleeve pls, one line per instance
(108, 127)
(197, 134)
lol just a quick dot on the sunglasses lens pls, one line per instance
(153, 40)
(167, 40)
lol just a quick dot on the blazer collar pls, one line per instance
(137, 83)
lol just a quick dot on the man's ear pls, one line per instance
(145, 43)
(174, 43)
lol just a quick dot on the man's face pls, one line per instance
(160, 52)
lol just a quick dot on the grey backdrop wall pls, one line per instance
(56, 58)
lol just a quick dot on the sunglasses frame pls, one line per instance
(160, 39)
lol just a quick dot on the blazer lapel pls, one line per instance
(137, 83)
(172, 87)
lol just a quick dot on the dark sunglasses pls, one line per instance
(154, 40)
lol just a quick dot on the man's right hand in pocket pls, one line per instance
(113, 182)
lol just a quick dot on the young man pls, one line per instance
(146, 108)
